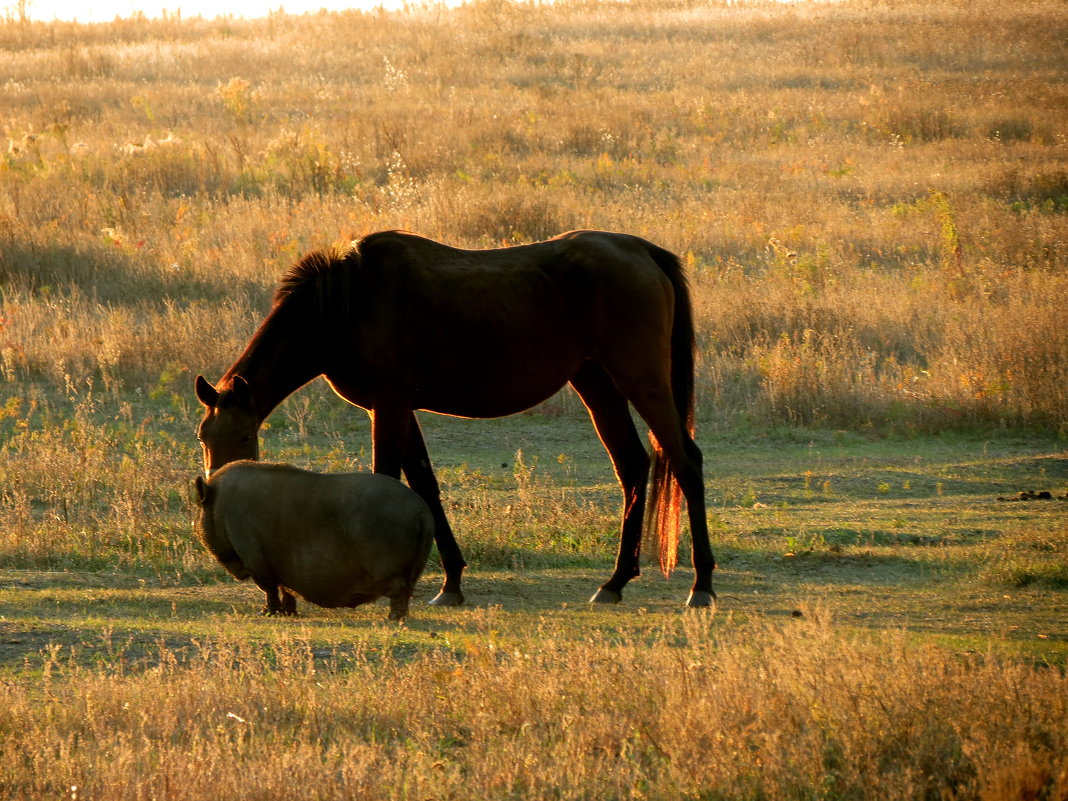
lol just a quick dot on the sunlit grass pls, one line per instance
(875, 234)
(870, 202)
(686, 708)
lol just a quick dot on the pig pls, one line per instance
(335, 540)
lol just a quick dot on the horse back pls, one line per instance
(574, 277)
(484, 333)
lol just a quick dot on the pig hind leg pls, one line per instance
(399, 593)
(289, 603)
(279, 600)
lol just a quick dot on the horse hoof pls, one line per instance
(448, 599)
(701, 599)
(603, 596)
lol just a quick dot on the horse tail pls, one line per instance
(665, 498)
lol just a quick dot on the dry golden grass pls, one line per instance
(872, 202)
(890, 179)
(686, 710)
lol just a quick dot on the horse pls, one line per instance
(398, 323)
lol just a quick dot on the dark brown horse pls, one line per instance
(398, 323)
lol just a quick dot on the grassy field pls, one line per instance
(872, 204)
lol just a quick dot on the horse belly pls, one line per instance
(492, 384)
(487, 399)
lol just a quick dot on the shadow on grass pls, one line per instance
(108, 275)
(837, 537)
(828, 487)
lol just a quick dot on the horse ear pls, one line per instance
(206, 393)
(241, 391)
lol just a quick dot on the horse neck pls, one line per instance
(278, 361)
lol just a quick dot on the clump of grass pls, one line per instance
(690, 710)
(1018, 572)
(88, 487)
(529, 519)
(949, 347)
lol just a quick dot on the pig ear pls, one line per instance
(201, 488)
(206, 393)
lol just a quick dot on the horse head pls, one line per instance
(229, 430)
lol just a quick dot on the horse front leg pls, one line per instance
(389, 435)
(421, 478)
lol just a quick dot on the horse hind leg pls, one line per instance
(685, 461)
(610, 413)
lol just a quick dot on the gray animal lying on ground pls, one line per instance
(331, 539)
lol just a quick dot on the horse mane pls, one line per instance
(312, 269)
(322, 277)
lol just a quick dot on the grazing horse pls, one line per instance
(398, 323)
